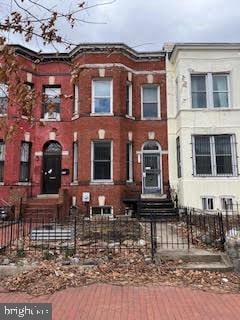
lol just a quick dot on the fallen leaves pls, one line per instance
(50, 276)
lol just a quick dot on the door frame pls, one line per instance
(44, 156)
(159, 152)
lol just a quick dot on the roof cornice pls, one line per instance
(88, 48)
(207, 46)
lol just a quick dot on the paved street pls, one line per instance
(106, 302)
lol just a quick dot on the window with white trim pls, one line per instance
(129, 164)
(210, 90)
(227, 203)
(102, 211)
(102, 161)
(2, 159)
(129, 99)
(75, 99)
(3, 98)
(25, 161)
(102, 96)
(214, 155)
(51, 102)
(207, 203)
(75, 162)
(150, 102)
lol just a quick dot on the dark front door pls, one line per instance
(52, 168)
(151, 173)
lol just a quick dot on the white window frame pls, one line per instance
(57, 115)
(213, 157)
(158, 102)
(130, 161)
(130, 102)
(102, 214)
(102, 181)
(76, 100)
(209, 90)
(208, 198)
(110, 113)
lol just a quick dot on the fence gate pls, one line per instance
(190, 230)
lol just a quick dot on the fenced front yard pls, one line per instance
(103, 236)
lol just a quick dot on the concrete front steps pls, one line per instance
(195, 259)
(158, 207)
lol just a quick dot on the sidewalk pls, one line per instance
(106, 302)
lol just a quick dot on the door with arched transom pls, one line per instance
(52, 158)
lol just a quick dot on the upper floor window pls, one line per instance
(75, 162)
(179, 165)
(102, 96)
(129, 162)
(129, 99)
(102, 160)
(51, 101)
(25, 162)
(3, 98)
(210, 90)
(214, 155)
(2, 159)
(75, 99)
(150, 102)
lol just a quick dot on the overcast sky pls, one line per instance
(151, 22)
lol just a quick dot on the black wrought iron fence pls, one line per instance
(76, 236)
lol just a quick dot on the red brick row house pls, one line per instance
(104, 138)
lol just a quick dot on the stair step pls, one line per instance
(195, 259)
(213, 266)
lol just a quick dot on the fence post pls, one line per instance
(221, 229)
(153, 240)
(75, 235)
(188, 235)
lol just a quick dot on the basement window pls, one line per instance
(102, 211)
(207, 203)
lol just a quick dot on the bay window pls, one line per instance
(102, 97)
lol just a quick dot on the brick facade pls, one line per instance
(118, 63)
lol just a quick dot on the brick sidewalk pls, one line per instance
(106, 302)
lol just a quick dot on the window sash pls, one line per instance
(211, 96)
(75, 161)
(179, 165)
(102, 102)
(129, 99)
(76, 99)
(207, 203)
(3, 98)
(2, 151)
(211, 161)
(102, 160)
(52, 102)
(129, 164)
(25, 162)
(151, 103)
(1, 170)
